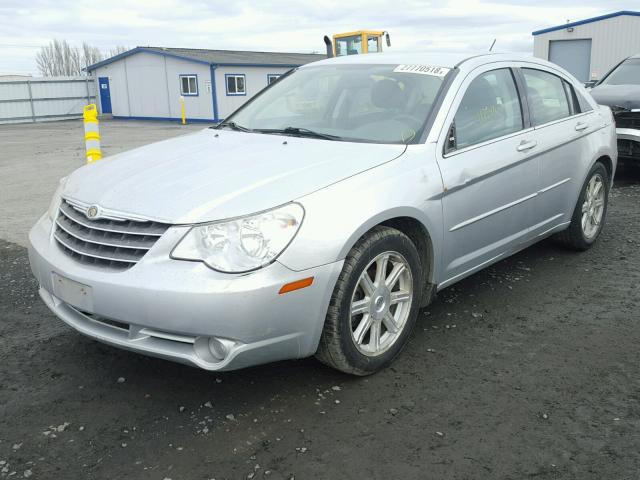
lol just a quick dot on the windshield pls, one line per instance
(369, 103)
(627, 73)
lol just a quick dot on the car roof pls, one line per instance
(449, 60)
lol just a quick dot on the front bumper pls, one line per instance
(628, 143)
(172, 309)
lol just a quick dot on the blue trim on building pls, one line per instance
(167, 119)
(181, 76)
(214, 93)
(226, 84)
(588, 20)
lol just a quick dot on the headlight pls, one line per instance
(55, 201)
(241, 244)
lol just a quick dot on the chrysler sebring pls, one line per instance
(319, 217)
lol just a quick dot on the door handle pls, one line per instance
(581, 126)
(524, 145)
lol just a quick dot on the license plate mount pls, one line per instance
(74, 293)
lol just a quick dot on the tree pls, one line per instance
(59, 59)
(117, 50)
(90, 55)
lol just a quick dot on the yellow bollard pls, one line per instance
(184, 119)
(91, 133)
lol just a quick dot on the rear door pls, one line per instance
(489, 170)
(562, 127)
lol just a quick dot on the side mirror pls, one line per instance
(387, 38)
(590, 83)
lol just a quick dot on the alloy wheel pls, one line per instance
(381, 303)
(593, 206)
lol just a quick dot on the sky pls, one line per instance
(281, 25)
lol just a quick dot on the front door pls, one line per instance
(490, 174)
(105, 94)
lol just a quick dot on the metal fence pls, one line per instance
(43, 99)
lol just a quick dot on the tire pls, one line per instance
(577, 236)
(346, 343)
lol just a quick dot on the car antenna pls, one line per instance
(492, 44)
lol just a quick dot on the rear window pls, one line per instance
(547, 96)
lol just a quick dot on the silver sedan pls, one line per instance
(321, 215)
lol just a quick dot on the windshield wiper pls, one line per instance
(299, 132)
(235, 126)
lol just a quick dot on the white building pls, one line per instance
(147, 82)
(590, 48)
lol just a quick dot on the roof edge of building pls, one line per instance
(587, 20)
(171, 52)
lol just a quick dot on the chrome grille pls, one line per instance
(115, 243)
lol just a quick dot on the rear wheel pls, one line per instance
(374, 304)
(590, 211)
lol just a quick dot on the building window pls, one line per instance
(189, 85)
(235, 84)
(272, 77)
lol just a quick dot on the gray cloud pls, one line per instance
(284, 25)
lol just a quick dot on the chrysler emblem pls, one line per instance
(92, 212)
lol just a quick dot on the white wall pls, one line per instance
(255, 78)
(117, 87)
(195, 107)
(148, 85)
(613, 39)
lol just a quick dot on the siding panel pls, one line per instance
(613, 40)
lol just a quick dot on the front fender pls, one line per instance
(338, 215)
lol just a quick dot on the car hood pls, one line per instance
(217, 174)
(627, 96)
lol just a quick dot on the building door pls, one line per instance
(572, 55)
(105, 94)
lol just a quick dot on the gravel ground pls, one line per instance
(529, 369)
(34, 157)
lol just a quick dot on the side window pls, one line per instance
(585, 106)
(489, 109)
(373, 44)
(547, 96)
(574, 106)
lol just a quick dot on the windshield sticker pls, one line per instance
(423, 70)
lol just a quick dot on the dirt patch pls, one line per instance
(529, 369)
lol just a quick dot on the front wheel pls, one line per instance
(590, 211)
(374, 305)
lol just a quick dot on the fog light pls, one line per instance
(213, 349)
(217, 349)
